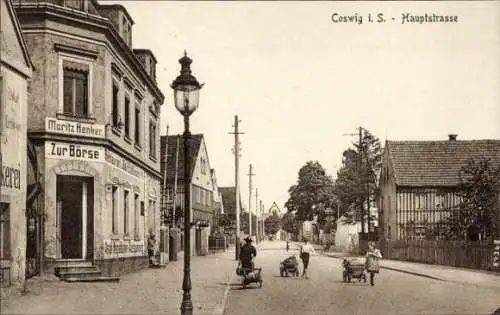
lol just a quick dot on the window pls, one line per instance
(151, 215)
(152, 139)
(114, 210)
(137, 126)
(125, 30)
(137, 205)
(129, 30)
(115, 105)
(4, 232)
(202, 162)
(75, 92)
(170, 194)
(126, 213)
(127, 116)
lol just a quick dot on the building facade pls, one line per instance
(419, 184)
(202, 188)
(15, 71)
(94, 122)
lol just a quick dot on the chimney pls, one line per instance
(452, 137)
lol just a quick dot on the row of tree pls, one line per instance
(317, 195)
(272, 223)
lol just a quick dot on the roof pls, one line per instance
(171, 141)
(20, 38)
(229, 199)
(437, 163)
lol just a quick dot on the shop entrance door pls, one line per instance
(75, 212)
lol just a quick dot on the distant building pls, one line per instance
(15, 71)
(347, 234)
(418, 184)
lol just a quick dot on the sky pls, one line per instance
(301, 83)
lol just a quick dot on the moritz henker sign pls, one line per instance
(74, 128)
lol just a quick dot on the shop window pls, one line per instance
(127, 116)
(4, 232)
(75, 92)
(137, 209)
(114, 209)
(126, 213)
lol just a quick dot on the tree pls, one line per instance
(244, 222)
(356, 183)
(478, 211)
(288, 223)
(312, 194)
(272, 224)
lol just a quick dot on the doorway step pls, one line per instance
(81, 271)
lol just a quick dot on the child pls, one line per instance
(372, 257)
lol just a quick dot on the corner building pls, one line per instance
(15, 72)
(93, 117)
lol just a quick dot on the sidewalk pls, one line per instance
(479, 278)
(149, 291)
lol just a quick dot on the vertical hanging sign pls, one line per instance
(496, 254)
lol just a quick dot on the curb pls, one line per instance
(394, 269)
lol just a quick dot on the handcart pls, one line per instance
(354, 269)
(289, 266)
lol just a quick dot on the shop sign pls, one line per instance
(496, 253)
(123, 248)
(10, 177)
(123, 164)
(74, 128)
(70, 151)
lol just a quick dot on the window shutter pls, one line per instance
(81, 106)
(68, 94)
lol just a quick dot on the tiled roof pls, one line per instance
(437, 163)
(229, 199)
(171, 141)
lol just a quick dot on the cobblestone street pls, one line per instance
(150, 291)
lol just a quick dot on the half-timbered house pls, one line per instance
(419, 184)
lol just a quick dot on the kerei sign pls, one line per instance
(69, 151)
(74, 128)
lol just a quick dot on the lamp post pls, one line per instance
(186, 97)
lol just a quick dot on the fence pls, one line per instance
(216, 243)
(476, 255)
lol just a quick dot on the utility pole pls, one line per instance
(164, 209)
(262, 220)
(360, 164)
(257, 211)
(236, 151)
(250, 174)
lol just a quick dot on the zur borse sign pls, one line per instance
(61, 150)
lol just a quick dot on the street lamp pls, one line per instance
(186, 97)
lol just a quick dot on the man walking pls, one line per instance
(305, 252)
